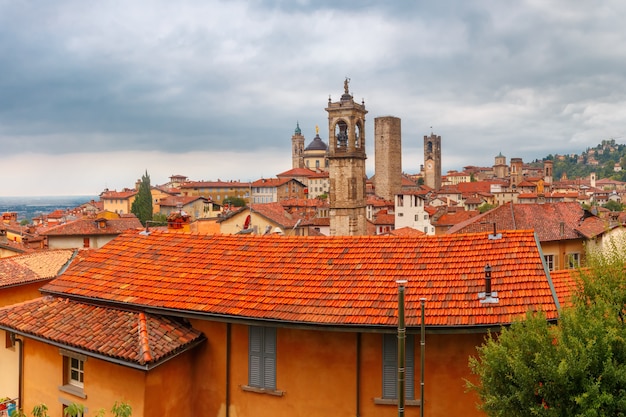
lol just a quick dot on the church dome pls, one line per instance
(317, 144)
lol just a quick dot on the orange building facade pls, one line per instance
(243, 326)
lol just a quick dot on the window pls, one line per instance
(76, 372)
(573, 260)
(73, 373)
(262, 357)
(549, 261)
(390, 367)
(86, 242)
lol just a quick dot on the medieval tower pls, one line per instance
(388, 157)
(500, 169)
(346, 159)
(432, 161)
(517, 171)
(297, 146)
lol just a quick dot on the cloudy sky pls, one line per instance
(93, 94)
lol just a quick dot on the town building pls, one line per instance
(274, 325)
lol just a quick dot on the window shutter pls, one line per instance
(409, 368)
(255, 340)
(269, 358)
(390, 366)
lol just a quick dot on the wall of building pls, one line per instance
(105, 383)
(9, 363)
(322, 373)
(173, 377)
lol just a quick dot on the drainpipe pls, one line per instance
(20, 381)
(423, 351)
(358, 374)
(228, 343)
(401, 348)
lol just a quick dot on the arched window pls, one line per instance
(341, 134)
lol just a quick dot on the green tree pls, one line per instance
(614, 205)
(235, 201)
(576, 367)
(485, 207)
(142, 205)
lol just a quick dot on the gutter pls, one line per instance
(480, 328)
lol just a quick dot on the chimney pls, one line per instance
(488, 296)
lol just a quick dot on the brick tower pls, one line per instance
(297, 147)
(346, 160)
(432, 161)
(388, 156)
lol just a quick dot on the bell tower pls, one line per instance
(432, 161)
(297, 147)
(346, 160)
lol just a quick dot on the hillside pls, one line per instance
(601, 159)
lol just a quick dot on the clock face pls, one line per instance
(429, 165)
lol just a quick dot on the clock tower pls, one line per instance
(346, 165)
(432, 161)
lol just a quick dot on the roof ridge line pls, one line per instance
(144, 340)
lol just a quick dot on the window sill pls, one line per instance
(258, 390)
(393, 401)
(71, 389)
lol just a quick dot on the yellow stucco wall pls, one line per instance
(105, 383)
(10, 367)
(317, 373)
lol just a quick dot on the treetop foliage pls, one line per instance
(142, 205)
(576, 367)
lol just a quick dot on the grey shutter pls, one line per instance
(269, 358)
(409, 368)
(255, 343)
(390, 366)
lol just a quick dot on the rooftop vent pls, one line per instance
(488, 296)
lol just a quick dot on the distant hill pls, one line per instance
(30, 207)
(601, 159)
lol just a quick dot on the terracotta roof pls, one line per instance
(545, 219)
(376, 201)
(406, 231)
(276, 213)
(215, 184)
(384, 218)
(339, 281)
(118, 194)
(274, 182)
(33, 267)
(173, 200)
(133, 337)
(297, 172)
(452, 218)
(90, 227)
(565, 284)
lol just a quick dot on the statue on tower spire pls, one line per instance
(345, 85)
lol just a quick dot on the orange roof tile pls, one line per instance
(344, 281)
(565, 284)
(116, 334)
(33, 267)
(545, 219)
(85, 227)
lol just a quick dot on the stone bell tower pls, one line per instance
(297, 147)
(432, 161)
(346, 160)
